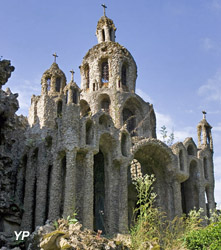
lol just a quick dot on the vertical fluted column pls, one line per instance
(27, 219)
(123, 199)
(88, 191)
(56, 183)
(70, 186)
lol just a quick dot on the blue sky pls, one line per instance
(176, 45)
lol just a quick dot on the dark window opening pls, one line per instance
(181, 160)
(124, 75)
(104, 72)
(111, 32)
(93, 86)
(48, 192)
(103, 35)
(205, 166)
(66, 98)
(48, 84)
(89, 132)
(24, 167)
(75, 97)
(87, 77)
(190, 150)
(58, 84)
(105, 104)
(124, 144)
(129, 118)
(63, 184)
(99, 192)
(59, 109)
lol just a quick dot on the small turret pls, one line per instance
(53, 80)
(205, 139)
(72, 91)
(105, 29)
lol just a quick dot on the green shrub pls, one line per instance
(205, 238)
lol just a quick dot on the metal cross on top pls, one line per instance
(204, 114)
(105, 7)
(72, 75)
(55, 55)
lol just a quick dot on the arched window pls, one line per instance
(124, 75)
(103, 35)
(66, 99)
(104, 72)
(129, 118)
(58, 84)
(75, 96)
(105, 104)
(89, 132)
(205, 167)
(87, 76)
(111, 32)
(190, 150)
(181, 160)
(59, 108)
(85, 108)
(48, 84)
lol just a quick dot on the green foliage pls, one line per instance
(72, 219)
(205, 238)
(167, 139)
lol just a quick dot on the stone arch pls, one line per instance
(105, 102)
(84, 108)
(132, 114)
(106, 186)
(105, 121)
(190, 188)
(190, 146)
(89, 132)
(156, 158)
(59, 108)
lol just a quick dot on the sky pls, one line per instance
(175, 43)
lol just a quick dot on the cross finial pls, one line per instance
(55, 55)
(204, 114)
(72, 75)
(104, 6)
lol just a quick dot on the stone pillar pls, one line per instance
(55, 197)
(210, 197)
(88, 202)
(178, 210)
(123, 199)
(70, 187)
(42, 184)
(27, 219)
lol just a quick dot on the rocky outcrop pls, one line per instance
(72, 236)
(12, 137)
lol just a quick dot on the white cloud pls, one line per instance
(143, 95)
(212, 89)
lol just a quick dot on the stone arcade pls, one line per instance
(84, 146)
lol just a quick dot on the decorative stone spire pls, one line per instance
(205, 139)
(105, 28)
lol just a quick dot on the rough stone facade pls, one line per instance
(84, 146)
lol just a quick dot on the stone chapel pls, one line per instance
(84, 146)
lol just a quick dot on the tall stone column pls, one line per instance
(55, 194)
(123, 199)
(27, 219)
(88, 202)
(70, 186)
(42, 184)
(177, 198)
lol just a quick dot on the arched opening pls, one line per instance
(74, 96)
(105, 103)
(66, 97)
(190, 189)
(48, 84)
(59, 109)
(58, 84)
(99, 192)
(87, 76)
(85, 108)
(89, 132)
(104, 72)
(111, 33)
(49, 173)
(205, 167)
(130, 119)
(63, 183)
(103, 35)
(124, 75)
(207, 203)
(104, 121)
(181, 160)
(190, 150)
(124, 139)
